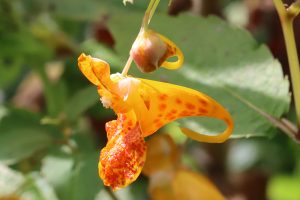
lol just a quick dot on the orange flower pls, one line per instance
(169, 178)
(143, 106)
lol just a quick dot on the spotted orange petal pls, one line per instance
(167, 102)
(122, 159)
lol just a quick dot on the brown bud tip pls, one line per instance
(148, 51)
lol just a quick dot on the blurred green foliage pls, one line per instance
(51, 131)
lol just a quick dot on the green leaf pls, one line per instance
(130, 1)
(284, 187)
(244, 155)
(90, 9)
(142, 5)
(77, 10)
(220, 60)
(175, 132)
(20, 143)
(135, 191)
(57, 170)
(36, 187)
(81, 101)
(74, 176)
(10, 180)
(55, 95)
(33, 186)
(86, 182)
(21, 136)
(97, 50)
(9, 71)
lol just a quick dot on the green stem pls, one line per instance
(127, 66)
(294, 9)
(111, 193)
(283, 124)
(286, 17)
(149, 13)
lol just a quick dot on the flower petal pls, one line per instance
(160, 186)
(96, 71)
(122, 159)
(182, 184)
(169, 102)
(85, 66)
(162, 155)
(194, 186)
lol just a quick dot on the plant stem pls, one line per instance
(286, 17)
(149, 13)
(127, 66)
(283, 124)
(111, 193)
(294, 9)
(146, 20)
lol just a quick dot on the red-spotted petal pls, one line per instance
(122, 159)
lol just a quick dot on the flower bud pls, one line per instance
(151, 50)
(148, 50)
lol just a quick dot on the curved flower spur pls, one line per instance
(143, 106)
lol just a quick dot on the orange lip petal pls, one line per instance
(122, 159)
